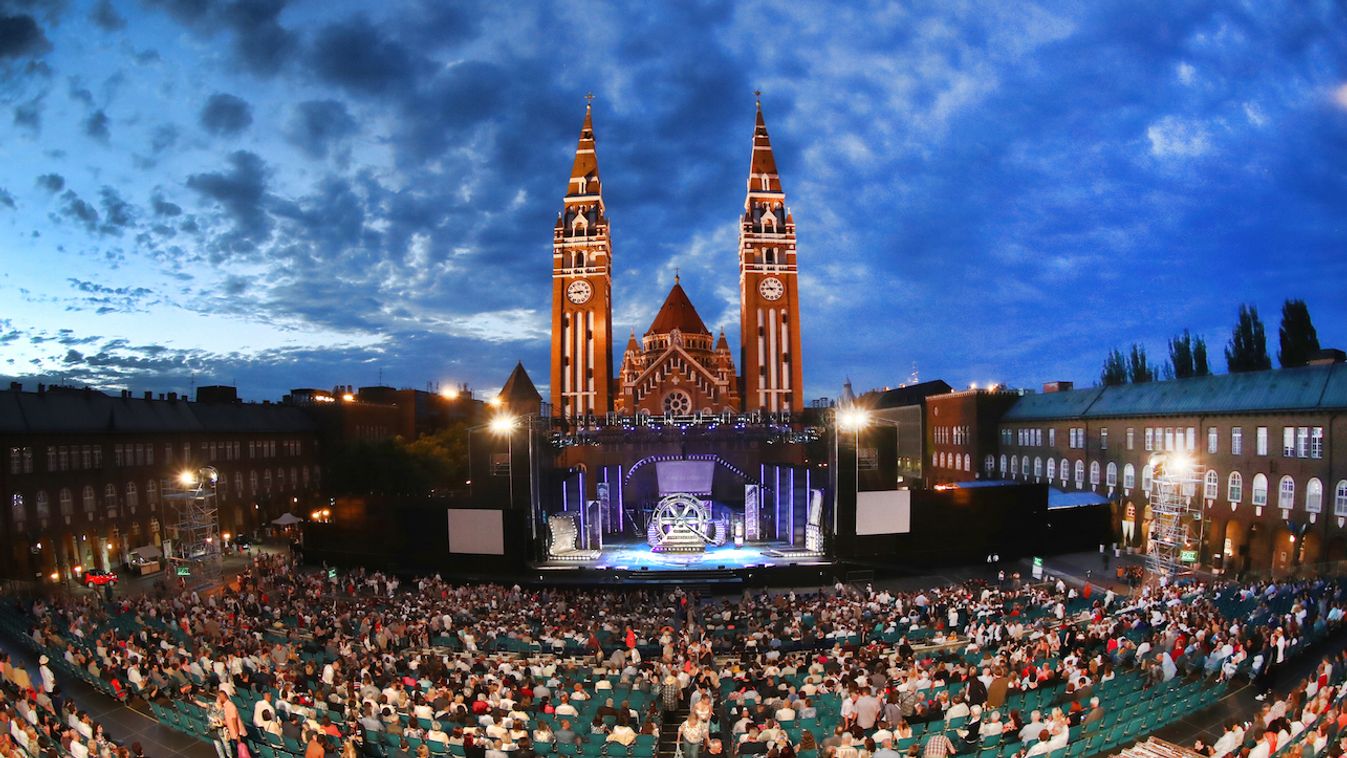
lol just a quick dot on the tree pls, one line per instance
(1247, 350)
(1138, 368)
(1200, 365)
(1298, 339)
(1115, 369)
(1181, 356)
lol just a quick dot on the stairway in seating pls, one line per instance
(1158, 748)
(668, 730)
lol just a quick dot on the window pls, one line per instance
(1340, 499)
(989, 465)
(1064, 470)
(1150, 439)
(1052, 438)
(1316, 442)
(1259, 490)
(1129, 477)
(1014, 466)
(1314, 496)
(19, 512)
(1146, 473)
(152, 494)
(1288, 442)
(110, 500)
(1024, 465)
(65, 502)
(1169, 438)
(1213, 440)
(1237, 440)
(1052, 469)
(1038, 467)
(1286, 493)
(1094, 473)
(1080, 474)
(1302, 442)
(90, 501)
(1190, 439)
(1261, 441)
(1131, 438)
(132, 496)
(43, 507)
(1103, 438)
(1211, 485)
(968, 463)
(1234, 488)
(1111, 474)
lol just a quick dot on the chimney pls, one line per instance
(161, 396)
(126, 394)
(173, 397)
(149, 395)
(1057, 387)
(1327, 357)
(16, 386)
(41, 389)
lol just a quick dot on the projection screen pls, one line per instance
(476, 530)
(884, 512)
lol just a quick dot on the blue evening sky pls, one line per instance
(283, 194)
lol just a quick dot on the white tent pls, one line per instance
(289, 519)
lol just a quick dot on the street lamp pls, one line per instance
(503, 424)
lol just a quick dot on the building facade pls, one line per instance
(962, 432)
(1270, 482)
(83, 472)
(678, 366)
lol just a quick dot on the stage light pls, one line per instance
(852, 419)
(502, 424)
(348, 397)
(449, 393)
(187, 478)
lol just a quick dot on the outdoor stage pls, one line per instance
(637, 556)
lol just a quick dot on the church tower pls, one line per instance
(582, 306)
(769, 316)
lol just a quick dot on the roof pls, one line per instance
(87, 411)
(519, 387)
(677, 313)
(912, 394)
(1079, 499)
(1307, 388)
(763, 162)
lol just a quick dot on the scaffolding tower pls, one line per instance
(196, 530)
(1174, 507)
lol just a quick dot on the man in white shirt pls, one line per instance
(263, 706)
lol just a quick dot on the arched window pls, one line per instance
(1024, 465)
(1064, 470)
(1259, 490)
(252, 482)
(1314, 496)
(90, 501)
(152, 493)
(939, 460)
(66, 502)
(1129, 476)
(1234, 488)
(1038, 467)
(1080, 474)
(306, 474)
(110, 500)
(1094, 473)
(1146, 473)
(1003, 464)
(1014, 466)
(1340, 499)
(132, 497)
(1286, 493)
(968, 463)
(989, 465)
(19, 511)
(266, 480)
(238, 483)
(280, 480)
(1111, 474)
(1052, 469)
(1211, 485)
(42, 505)
(294, 478)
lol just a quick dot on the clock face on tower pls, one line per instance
(771, 288)
(579, 292)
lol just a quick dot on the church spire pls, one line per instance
(585, 168)
(762, 176)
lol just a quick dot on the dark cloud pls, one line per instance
(117, 213)
(96, 126)
(164, 208)
(226, 115)
(78, 92)
(73, 356)
(164, 137)
(6, 199)
(76, 209)
(360, 56)
(240, 192)
(317, 125)
(261, 44)
(51, 182)
(21, 36)
(29, 115)
(106, 17)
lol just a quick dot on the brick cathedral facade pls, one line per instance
(677, 366)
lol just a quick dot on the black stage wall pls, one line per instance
(409, 536)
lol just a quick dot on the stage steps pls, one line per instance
(688, 579)
(668, 729)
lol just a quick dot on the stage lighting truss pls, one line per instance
(682, 523)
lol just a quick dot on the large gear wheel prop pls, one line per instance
(681, 523)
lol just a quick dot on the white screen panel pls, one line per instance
(476, 530)
(884, 512)
(685, 476)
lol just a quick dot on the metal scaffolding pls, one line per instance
(1174, 507)
(196, 532)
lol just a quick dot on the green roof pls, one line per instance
(1310, 388)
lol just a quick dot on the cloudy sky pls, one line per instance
(280, 194)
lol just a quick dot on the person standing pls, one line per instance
(691, 735)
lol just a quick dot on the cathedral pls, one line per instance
(677, 367)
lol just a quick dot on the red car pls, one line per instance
(99, 578)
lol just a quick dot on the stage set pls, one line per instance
(686, 493)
